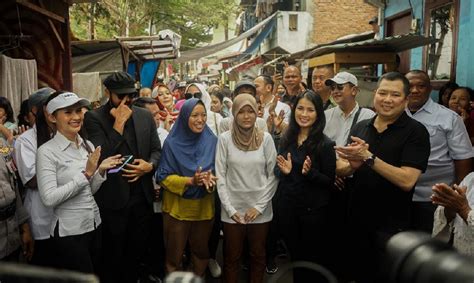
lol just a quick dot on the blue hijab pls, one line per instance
(184, 151)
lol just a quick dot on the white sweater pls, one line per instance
(245, 178)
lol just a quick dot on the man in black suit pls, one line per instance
(125, 198)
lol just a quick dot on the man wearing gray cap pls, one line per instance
(25, 160)
(125, 198)
(341, 119)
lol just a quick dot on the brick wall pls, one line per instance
(336, 18)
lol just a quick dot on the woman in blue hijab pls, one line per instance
(186, 174)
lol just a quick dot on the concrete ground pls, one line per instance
(281, 261)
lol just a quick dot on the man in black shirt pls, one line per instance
(387, 155)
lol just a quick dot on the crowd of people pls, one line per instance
(145, 184)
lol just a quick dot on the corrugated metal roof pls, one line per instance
(396, 43)
(165, 45)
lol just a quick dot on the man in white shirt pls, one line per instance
(451, 149)
(25, 160)
(340, 119)
(264, 85)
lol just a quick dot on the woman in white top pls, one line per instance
(245, 160)
(68, 175)
(454, 216)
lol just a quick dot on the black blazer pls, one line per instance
(306, 193)
(115, 191)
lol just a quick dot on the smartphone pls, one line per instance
(127, 160)
(279, 68)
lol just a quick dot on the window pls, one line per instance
(293, 22)
(441, 23)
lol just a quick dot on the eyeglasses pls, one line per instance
(189, 95)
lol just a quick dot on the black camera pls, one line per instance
(415, 257)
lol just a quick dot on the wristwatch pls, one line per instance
(370, 160)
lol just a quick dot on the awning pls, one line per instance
(165, 45)
(396, 43)
(96, 56)
(253, 48)
(201, 52)
(345, 39)
(246, 65)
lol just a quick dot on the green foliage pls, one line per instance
(192, 19)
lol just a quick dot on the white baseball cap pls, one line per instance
(342, 78)
(64, 100)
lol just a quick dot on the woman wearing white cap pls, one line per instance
(68, 174)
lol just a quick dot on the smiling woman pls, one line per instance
(186, 174)
(306, 167)
(68, 174)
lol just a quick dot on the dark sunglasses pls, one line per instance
(338, 86)
(189, 95)
(131, 95)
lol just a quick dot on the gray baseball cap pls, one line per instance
(39, 97)
(342, 78)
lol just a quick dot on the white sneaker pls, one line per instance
(214, 268)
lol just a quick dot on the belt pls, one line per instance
(8, 211)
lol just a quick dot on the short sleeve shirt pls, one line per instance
(375, 199)
(449, 141)
(338, 125)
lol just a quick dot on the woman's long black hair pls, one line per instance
(44, 132)
(315, 137)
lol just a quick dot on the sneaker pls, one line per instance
(214, 268)
(271, 267)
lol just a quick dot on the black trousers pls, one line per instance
(306, 236)
(79, 252)
(155, 257)
(126, 235)
(44, 253)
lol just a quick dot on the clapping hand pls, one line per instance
(355, 153)
(209, 181)
(306, 166)
(92, 161)
(453, 199)
(285, 165)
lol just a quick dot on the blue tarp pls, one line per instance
(147, 72)
(253, 48)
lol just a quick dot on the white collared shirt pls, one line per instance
(25, 160)
(449, 141)
(338, 125)
(63, 186)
